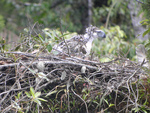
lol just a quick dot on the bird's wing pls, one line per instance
(80, 44)
(74, 45)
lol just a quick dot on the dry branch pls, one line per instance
(98, 78)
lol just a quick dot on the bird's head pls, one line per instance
(95, 32)
(99, 34)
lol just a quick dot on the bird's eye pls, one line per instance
(99, 31)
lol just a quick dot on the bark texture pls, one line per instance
(134, 8)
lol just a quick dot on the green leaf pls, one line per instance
(52, 92)
(146, 32)
(136, 109)
(17, 47)
(145, 111)
(73, 103)
(3, 43)
(146, 20)
(147, 45)
(145, 102)
(42, 99)
(32, 92)
(49, 47)
(56, 38)
(47, 33)
(94, 101)
(42, 75)
(37, 101)
(110, 105)
(28, 95)
(106, 101)
(37, 45)
(64, 35)
(41, 37)
(145, 23)
(46, 40)
(37, 94)
(19, 94)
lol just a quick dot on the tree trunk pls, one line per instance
(86, 18)
(134, 8)
(90, 6)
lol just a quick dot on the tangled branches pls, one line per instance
(72, 81)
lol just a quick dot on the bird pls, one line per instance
(80, 45)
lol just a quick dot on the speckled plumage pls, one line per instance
(80, 45)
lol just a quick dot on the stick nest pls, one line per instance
(68, 76)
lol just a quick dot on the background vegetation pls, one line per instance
(20, 13)
(69, 15)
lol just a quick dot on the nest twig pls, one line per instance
(99, 78)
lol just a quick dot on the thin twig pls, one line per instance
(52, 62)
(82, 100)
(64, 38)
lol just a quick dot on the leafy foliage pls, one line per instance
(146, 7)
(67, 14)
(2, 45)
(35, 96)
(117, 13)
(114, 45)
(43, 40)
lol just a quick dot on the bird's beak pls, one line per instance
(101, 34)
(104, 36)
